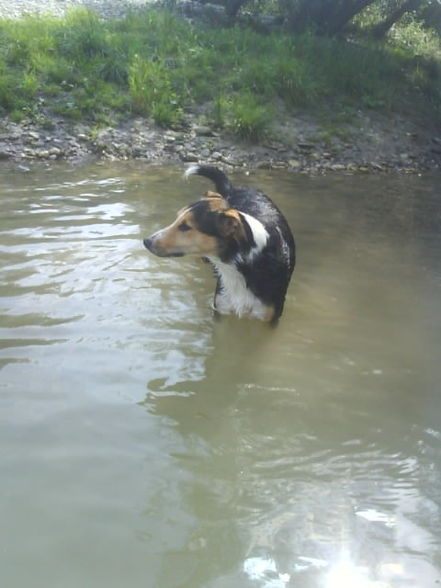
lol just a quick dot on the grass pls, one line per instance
(156, 65)
(151, 91)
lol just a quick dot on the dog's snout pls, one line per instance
(148, 243)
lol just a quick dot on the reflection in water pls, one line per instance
(299, 482)
(145, 444)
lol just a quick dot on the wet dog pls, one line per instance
(243, 234)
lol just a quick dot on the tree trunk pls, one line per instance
(380, 30)
(345, 14)
(232, 7)
(327, 17)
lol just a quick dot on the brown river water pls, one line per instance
(143, 444)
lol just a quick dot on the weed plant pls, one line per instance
(156, 65)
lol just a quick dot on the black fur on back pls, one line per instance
(217, 176)
(268, 274)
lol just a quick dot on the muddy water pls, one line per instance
(144, 445)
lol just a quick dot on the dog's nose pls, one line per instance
(148, 243)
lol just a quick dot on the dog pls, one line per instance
(245, 237)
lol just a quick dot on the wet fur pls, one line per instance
(244, 236)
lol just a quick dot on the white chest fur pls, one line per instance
(235, 297)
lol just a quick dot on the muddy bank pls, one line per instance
(370, 143)
(313, 143)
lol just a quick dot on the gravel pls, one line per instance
(376, 143)
(105, 8)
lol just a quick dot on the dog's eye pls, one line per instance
(184, 227)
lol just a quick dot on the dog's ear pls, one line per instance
(213, 195)
(229, 224)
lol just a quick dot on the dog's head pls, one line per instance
(207, 227)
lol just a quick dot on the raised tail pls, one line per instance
(214, 174)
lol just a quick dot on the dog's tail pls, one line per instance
(214, 174)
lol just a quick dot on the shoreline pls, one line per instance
(370, 144)
(310, 141)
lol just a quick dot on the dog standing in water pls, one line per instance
(243, 234)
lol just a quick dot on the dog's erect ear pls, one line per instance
(230, 224)
(213, 195)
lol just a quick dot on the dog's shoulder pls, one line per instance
(259, 206)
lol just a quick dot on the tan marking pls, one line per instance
(214, 195)
(217, 204)
(182, 211)
(232, 224)
(234, 214)
(171, 240)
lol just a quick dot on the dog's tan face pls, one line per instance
(199, 229)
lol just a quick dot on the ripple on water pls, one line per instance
(222, 453)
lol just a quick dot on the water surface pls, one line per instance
(145, 445)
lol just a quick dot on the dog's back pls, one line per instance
(268, 267)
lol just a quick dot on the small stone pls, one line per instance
(295, 163)
(170, 137)
(138, 151)
(189, 157)
(203, 131)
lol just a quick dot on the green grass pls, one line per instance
(249, 118)
(155, 65)
(151, 91)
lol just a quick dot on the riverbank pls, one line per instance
(111, 83)
(373, 143)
